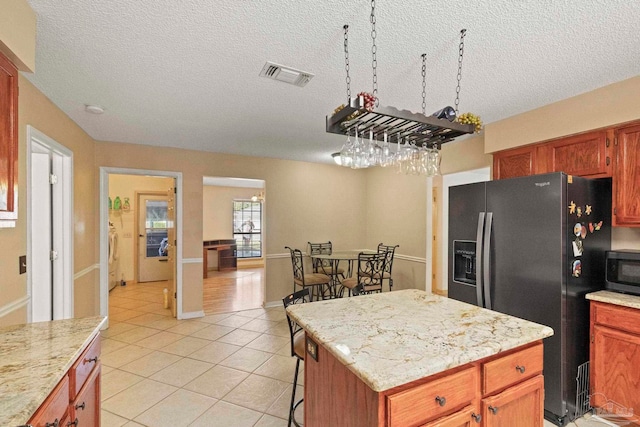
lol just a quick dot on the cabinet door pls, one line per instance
(519, 406)
(626, 181)
(86, 406)
(615, 377)
(8, 139)
(586, 154)
(54, 409)
(515, 162)
(468, 417)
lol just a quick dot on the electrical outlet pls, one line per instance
(127, 235)
(22, 263)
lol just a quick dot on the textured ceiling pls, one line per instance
(184, 73)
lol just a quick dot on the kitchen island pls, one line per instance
(47, 368)
(408, 358)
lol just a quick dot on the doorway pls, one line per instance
(234, 211)
(49, 228)
(125, 189)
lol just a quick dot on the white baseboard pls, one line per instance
(271, 304)
(191, 315)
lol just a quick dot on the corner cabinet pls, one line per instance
(75, 401)
(626, 178)
(8, 139)
(615, 358)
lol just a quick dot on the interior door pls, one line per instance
(171, 249)
(153, 238)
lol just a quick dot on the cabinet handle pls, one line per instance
(441, 400)
(520, 368)
(493, 409)
(56, 423)
(80, 406)
(476, 417)
(608, 161)
(73, 423)
(93, 359)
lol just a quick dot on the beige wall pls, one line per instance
(18, 33)
(124, 222)
(38, 111)
(608, 105)
(217, 212)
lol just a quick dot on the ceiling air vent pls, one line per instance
(285, 74)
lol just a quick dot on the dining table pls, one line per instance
(330, 262)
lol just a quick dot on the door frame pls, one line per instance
(62, 204)
(136, 228)
(104, 232)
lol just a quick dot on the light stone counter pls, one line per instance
(33, 359)
(616, 298)
(393, 338)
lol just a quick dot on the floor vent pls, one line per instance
(285, 74)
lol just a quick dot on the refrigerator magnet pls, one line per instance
(598, 225)
(587, 210)
(579, 212)
(572, 207)
(576, 268)
(583, 233)
(578, 247)
(591, 227)
(577, 229)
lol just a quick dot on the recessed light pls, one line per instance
(93, 109)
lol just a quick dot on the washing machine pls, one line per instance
(113, 257)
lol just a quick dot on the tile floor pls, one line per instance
(232, 369)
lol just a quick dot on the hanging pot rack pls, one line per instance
(419, 129)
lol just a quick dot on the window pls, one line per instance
(247, 228)
(156, 228)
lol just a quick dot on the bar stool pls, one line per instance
(297, 347)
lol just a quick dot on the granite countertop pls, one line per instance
(33, 359)
(616, 298)
(392, 338)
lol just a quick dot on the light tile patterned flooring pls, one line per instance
(232, 369)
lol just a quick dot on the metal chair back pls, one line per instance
(298, 297)
(390, 250)
(370, 270)
(320, 265)
(297, 264)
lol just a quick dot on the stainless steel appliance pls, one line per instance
(623, 271)
(532, 247)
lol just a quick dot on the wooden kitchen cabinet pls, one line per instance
(522, 404)
(615, 359)
(516, 162)
(468, 417)
(75, 401)
(626, 177)
(8, 139)
(586, 155)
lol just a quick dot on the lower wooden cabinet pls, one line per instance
(75, 401)
(467, 417)
(615, 360)
(516, 404)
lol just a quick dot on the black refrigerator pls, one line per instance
(532, 247)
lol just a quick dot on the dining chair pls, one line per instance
(390, 250)
(297, 346)
(369, 274)
(319, 283)
(324, 266)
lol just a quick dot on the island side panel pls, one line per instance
(335, 396)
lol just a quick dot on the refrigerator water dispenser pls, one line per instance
(464, 261)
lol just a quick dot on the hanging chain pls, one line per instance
(460, 55)
(424, 84)
(346, 62)
(374, 61)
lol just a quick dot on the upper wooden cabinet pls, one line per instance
(8, 139)
(586, 154)
(626, 177)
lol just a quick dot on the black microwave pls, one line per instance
(623, 271)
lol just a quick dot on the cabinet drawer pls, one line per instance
(54, 408)
(513, 368)
(86, 407)
(625, 318)
(432, 400)
(468, 417)
(82, 368)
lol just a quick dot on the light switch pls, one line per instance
(22, 260)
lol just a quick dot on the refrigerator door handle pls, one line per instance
(479, 287)
(486, 260)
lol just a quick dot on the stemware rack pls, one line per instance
(417, 128)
